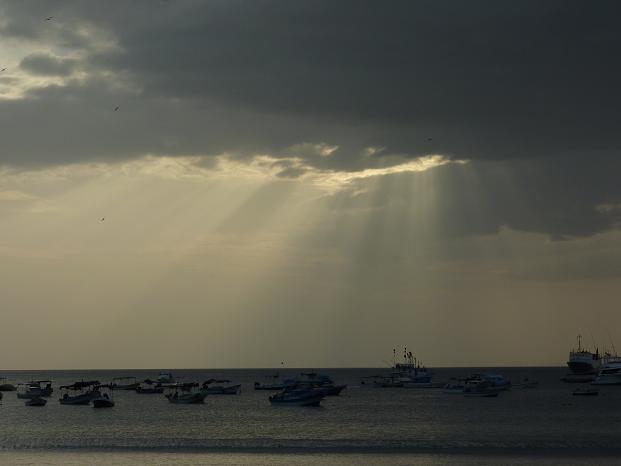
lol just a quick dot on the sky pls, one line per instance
(224, 183)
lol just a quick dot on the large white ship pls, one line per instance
(584, 362)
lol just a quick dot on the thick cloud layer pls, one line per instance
(532, 86)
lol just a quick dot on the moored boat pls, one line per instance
(186, 393)
(125, 383)
(273, 383)
(148, 387)
(480, 389)
(166, 379)
(105, 398)
(220, 389)
(585, 365)
(34, 388)
(298, 397)
(36, 401)
(5, 386)
(79, 393)
(610, 374)
(454, 387)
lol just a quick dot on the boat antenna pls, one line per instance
(612, 343)
(579, 338)
(593, 340)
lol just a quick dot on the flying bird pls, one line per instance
(102, 219)
(3, 69)
(116, 109)
(429, 139)
(49, 18)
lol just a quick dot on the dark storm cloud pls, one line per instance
(530, 84)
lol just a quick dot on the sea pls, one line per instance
(364, 425)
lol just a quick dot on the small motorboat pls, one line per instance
(37, 401)
(220, 389)
(186, 393)
(105, 398)
(480, 389)
(148, 387)
(585, 392)
(125, 383)
(298, 397)
(79, 393)
(496, 381)
(273, 383)
(166, 379)
(34, 388)
(321, 382)
(454, 387)
(5, 386)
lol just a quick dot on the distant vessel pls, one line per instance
(610, 374)
(298, 397)
(584, 365)
(125, 383)
(37, 401)
(186, 393)
(6, 387)
(105, 398)
(79, 393)
(409, 374)
(480, 388)
(321, 382)
(221, 389)
(34, 389)
(166, 379)
(454, 387)
(273, 383)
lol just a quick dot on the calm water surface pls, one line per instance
(546, 425)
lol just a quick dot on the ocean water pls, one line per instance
(365, 425)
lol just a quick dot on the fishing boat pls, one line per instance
(585, 365)
(125, 383)
(5, 386)
(37, 401)
(105, 398)
(273, 383)
(186, 393)
(220, 389)
(585, 392)
(409, 373)
(79, 393)
(297, 397)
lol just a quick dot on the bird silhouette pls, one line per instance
(49, 18)
(3, 69)
(102, 219)
(116, 109)
(429, 139)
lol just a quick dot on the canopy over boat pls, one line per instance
(81, 385)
